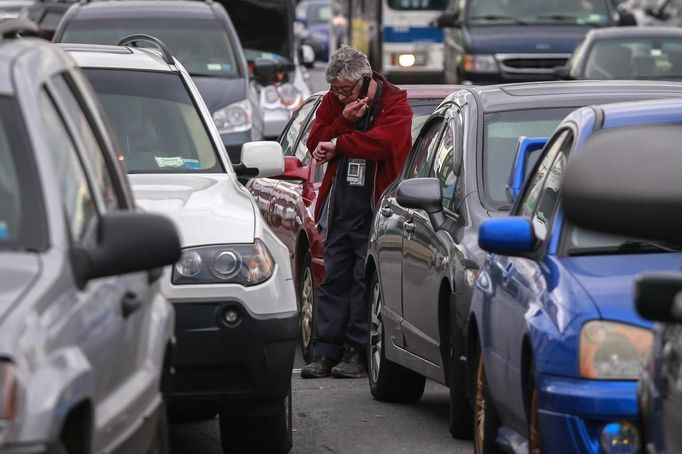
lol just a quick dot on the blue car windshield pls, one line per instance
(579, 241)
(534, 12)
(202, 45)
(22, 213)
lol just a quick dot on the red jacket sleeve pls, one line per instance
(392, 129)
(329, 122)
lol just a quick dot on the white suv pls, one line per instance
(85, 335)
(232, 289)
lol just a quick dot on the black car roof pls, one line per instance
(496, 98)
(130, 9)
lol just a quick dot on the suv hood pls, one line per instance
(609, 280)
(17, 272)
(219, 92)
(525, 39)
(209, 209)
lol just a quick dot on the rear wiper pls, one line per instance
(516, 20)
(635, 245)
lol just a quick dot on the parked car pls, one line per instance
(85, 334)
(315, 17)
(424, 255)
(606, 203)
(232, 289)
(557, 344)
(494, 41)
(287, 201)
(14, 9)
(653, 53)
(273, 58)
(214, 57)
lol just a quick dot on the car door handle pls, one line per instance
(386, 211)
(130, 302)
(408, 226)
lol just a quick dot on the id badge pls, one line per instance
(356, 172)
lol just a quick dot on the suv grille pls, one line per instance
(531, 63)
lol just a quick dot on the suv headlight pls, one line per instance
(475, 63)
(285, 95)
(9, 390)
(613, 351)
(233, 118)
(245, 264)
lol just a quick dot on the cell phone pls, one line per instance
(364, 87)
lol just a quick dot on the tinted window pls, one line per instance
(79, 204)
(538, 11)
(501, 134)
(417, 5)
(443, 170)
(202, 45)
(297, 122)
(22, 215)
(637, 58)
(155, 121)
(419, 163)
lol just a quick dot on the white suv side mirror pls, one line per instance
(265, 157)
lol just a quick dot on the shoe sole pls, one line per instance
(309, 375)
(342, 375)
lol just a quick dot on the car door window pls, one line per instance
(91, 149)
(288, 139)
(78, 201)
(443, 169)
(419, 163)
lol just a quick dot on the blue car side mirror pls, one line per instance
(511, 235)
(523, 164)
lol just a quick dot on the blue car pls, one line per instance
(555, 345)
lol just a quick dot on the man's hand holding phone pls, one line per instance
(323, 152)
(356, 109)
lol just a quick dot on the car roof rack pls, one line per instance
(132, 39)
(13, 27)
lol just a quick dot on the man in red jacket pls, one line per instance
(363, 129)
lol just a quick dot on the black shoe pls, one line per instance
(353, 365)
(319, 367)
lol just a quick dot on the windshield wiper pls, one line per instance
(562, 17)
(635, 245)
(623, 248)
(516, 20)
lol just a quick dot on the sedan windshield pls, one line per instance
(157, 125)
(635, 58)
(501, 136)
(580, 241)
(526, 12)
(22, 215)
(202, 46)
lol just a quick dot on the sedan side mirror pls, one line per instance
(127, 242)
(262, 159)
(294, 169)
(658, 296)
(512, 235)
(423, 194)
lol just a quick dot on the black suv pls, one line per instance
(200, 35)
(496, 41)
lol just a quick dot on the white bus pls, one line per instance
(397, 36)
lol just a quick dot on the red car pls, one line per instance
(287, 203)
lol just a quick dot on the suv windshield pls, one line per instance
(486, 12)
(22, 215)
(155, 121)
(500, 140)
(202, 45)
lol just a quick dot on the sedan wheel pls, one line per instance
(307, 307)
(534, 437)
(485, 419)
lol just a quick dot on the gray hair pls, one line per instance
(347, 63)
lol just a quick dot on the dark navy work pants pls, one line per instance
(341, 308)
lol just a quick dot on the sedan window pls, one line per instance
(155, 121)
(635, 58)
(419, 163)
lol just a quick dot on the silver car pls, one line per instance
(85, 335)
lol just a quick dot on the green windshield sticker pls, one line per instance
(173, 162)
(4, 233)
(214, 67)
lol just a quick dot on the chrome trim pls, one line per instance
(502, 57)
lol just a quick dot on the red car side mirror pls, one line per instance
(294, 169)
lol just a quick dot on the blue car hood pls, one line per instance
(525, 39)
(608, 280)
(219, 92)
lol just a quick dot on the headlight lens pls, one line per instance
(8, 392)
(480, 63)
(245, 264)
(283, 96)
(613, 351)
(233, 118)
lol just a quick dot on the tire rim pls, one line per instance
(376, 333)
(479, 415)
(307, 304)
(534, 430)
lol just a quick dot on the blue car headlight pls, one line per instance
(233, 118)
(613, 351)
(245, 264)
